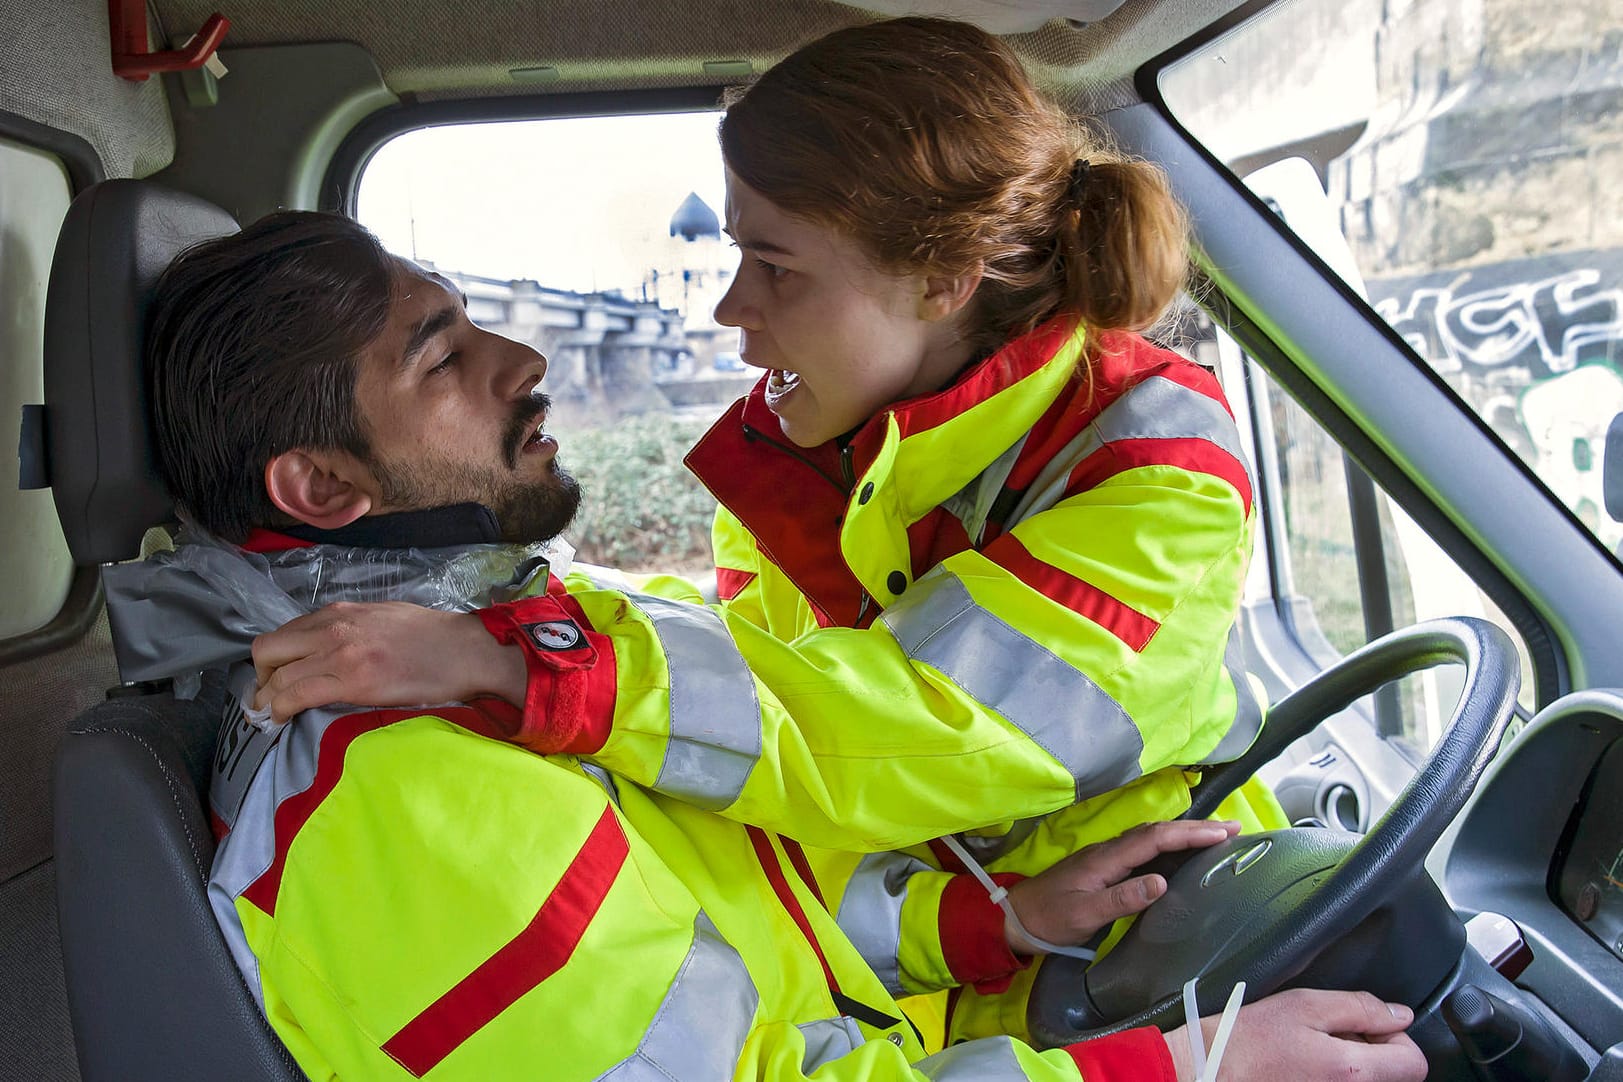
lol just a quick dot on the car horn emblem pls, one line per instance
(1237, 862)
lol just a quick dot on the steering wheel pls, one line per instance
(1260, 908)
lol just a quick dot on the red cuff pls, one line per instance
(972, 937)
(570, 688)
(1134, 1055)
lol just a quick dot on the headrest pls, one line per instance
(117, 238)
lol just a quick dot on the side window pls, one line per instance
(1348, 564)
(598, 241)
(1454, 167)
(34, 559)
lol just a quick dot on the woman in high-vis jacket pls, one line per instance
(980, 547)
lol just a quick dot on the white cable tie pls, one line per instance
(1000, 897)
(1225, 1027)
(1205, 1068)
(1191, 1025)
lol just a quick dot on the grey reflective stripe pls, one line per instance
(699, 1031)
(1047, 698)
(990, 1059)
(1157, 409)
(1049, 486)
(288, 769)
(828, 1040)
(1248, 712)
(871, 912)
(972, 504)
(715, 737)
(603, 778)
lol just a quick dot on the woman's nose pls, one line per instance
(734, 309)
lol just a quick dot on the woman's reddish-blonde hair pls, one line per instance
(926, 141)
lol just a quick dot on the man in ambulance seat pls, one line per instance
(410, 893)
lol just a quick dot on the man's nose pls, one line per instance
(529, 368)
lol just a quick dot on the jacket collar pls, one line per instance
(810, 509)
(201, 605)
(945, 439)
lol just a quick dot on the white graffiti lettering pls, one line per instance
(1548, 325)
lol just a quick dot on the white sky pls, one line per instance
(581, 204)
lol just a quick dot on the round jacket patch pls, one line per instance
(554, 635)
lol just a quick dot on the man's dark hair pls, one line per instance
(251, 351)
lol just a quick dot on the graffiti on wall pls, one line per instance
(1545, 315)
(1536, 347)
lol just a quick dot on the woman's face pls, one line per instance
(841, 338)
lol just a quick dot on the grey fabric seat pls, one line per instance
(152, 990)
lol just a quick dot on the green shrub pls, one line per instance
(641, 509)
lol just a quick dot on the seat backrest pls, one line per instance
(152, 990)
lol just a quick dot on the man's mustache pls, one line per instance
(525, 415)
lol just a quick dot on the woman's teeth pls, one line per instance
(780, 384)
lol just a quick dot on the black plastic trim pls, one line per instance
(83, 603)
(79, 611)
(83, 163)
(343, 174)
(1550, 671)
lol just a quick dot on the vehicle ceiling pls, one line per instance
(430, 49)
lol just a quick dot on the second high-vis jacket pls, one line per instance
(990, 603)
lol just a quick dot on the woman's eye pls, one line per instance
(772, 269)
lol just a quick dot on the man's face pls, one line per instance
(454, 415)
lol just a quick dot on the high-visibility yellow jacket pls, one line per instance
(991, 603)
(445, 906)
(408, 894)
(1008, 604)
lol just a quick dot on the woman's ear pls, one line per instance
(324, 489)
(945, 297)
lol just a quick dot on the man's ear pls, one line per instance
(945, 297)
(324, 489)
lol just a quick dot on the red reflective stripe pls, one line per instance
(296, 810)
(797, 857)
(730, 582)
(945, 858)
(1115, 616)
(780, 886)
(1187, 453)
(529, 958)
(1134, 1055)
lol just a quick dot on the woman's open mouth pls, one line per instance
(779, 386)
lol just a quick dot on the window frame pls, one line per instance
(84, 599)
(342, 181)
(1255, 256)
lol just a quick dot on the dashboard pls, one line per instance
(1589, 879)
(1542, 843)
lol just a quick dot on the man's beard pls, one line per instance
(526, 511)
